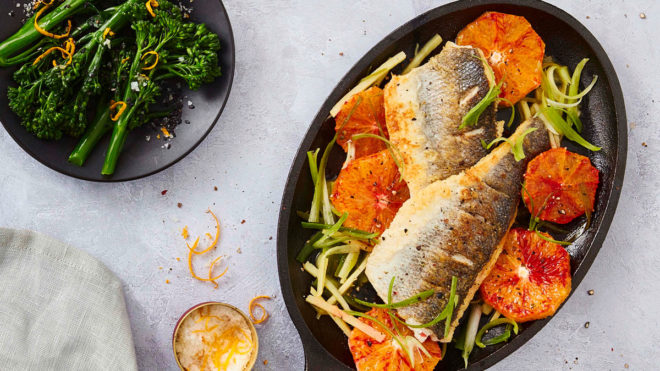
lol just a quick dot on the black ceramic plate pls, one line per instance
(139, 158)
(604, 116)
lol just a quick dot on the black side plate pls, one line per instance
(139, 158)
(604, 116)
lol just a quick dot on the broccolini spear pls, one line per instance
(20, 47)
(52, 100)
(166, 48)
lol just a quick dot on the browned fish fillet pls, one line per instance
(425, 107)
(452, 227)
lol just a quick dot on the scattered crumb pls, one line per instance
(191, 105)
(633, 125)
(163, 192)
(158, 136)
(167, 281)
(586, 324)
(642, 16)
(184, 233)
(179, 205)
(178, 259)
(590, 292)
(160, 267)
(265, 362)
(239, 251)
(215, 188)
(341, 54)
(644, 144)
(588, 17)
(147, 138)
(243, 221)
(270, 238)
(626, 366)
(627, 66)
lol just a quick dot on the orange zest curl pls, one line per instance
(120, 111)
(195, 276)
(211, 271)
(206, 323)
(193, 249)
(42, 56)
(150, 5)
(264, 313)
(43, 31)
(154, 64)
(107, 32)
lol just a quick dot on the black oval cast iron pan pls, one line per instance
(568, 42)
(140, 158)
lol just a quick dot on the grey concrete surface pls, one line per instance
(289, 57)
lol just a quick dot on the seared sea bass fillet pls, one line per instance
(453, 227)
(425, 107)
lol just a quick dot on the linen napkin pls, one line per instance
(60, 309)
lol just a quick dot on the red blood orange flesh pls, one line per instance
(371, 191)
(513, 49)
(387, 355)
(561, 185)
(531, 278)
(364, 113)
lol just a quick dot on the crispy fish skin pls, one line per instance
(453, 227)
(425, 107)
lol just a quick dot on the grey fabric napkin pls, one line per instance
(60, 309)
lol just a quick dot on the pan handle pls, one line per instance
(317, 358)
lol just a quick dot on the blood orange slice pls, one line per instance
(531, 278)
(388, 355)
(561, 185)
(371, 191)
(364, 113)
(513, 49)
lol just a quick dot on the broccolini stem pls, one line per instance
(99, 128)
(28, 34)
(119, 134)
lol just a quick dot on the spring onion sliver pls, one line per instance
(308, 248)
(419, 57)
(349, 263)
(328, 284)
(327, 233)
(472, 117)
(471, 331)
(353, 277)
(563, 243)
(563, 105)
(447, 312)
(346, 316)
(320, 205)
(399, 304)
(313, 168)
(554, 118)
(366, 82)
(499, 338)
(516, 146)
(322, 262)
(356, 233)
(342, 260)
(490, 325)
